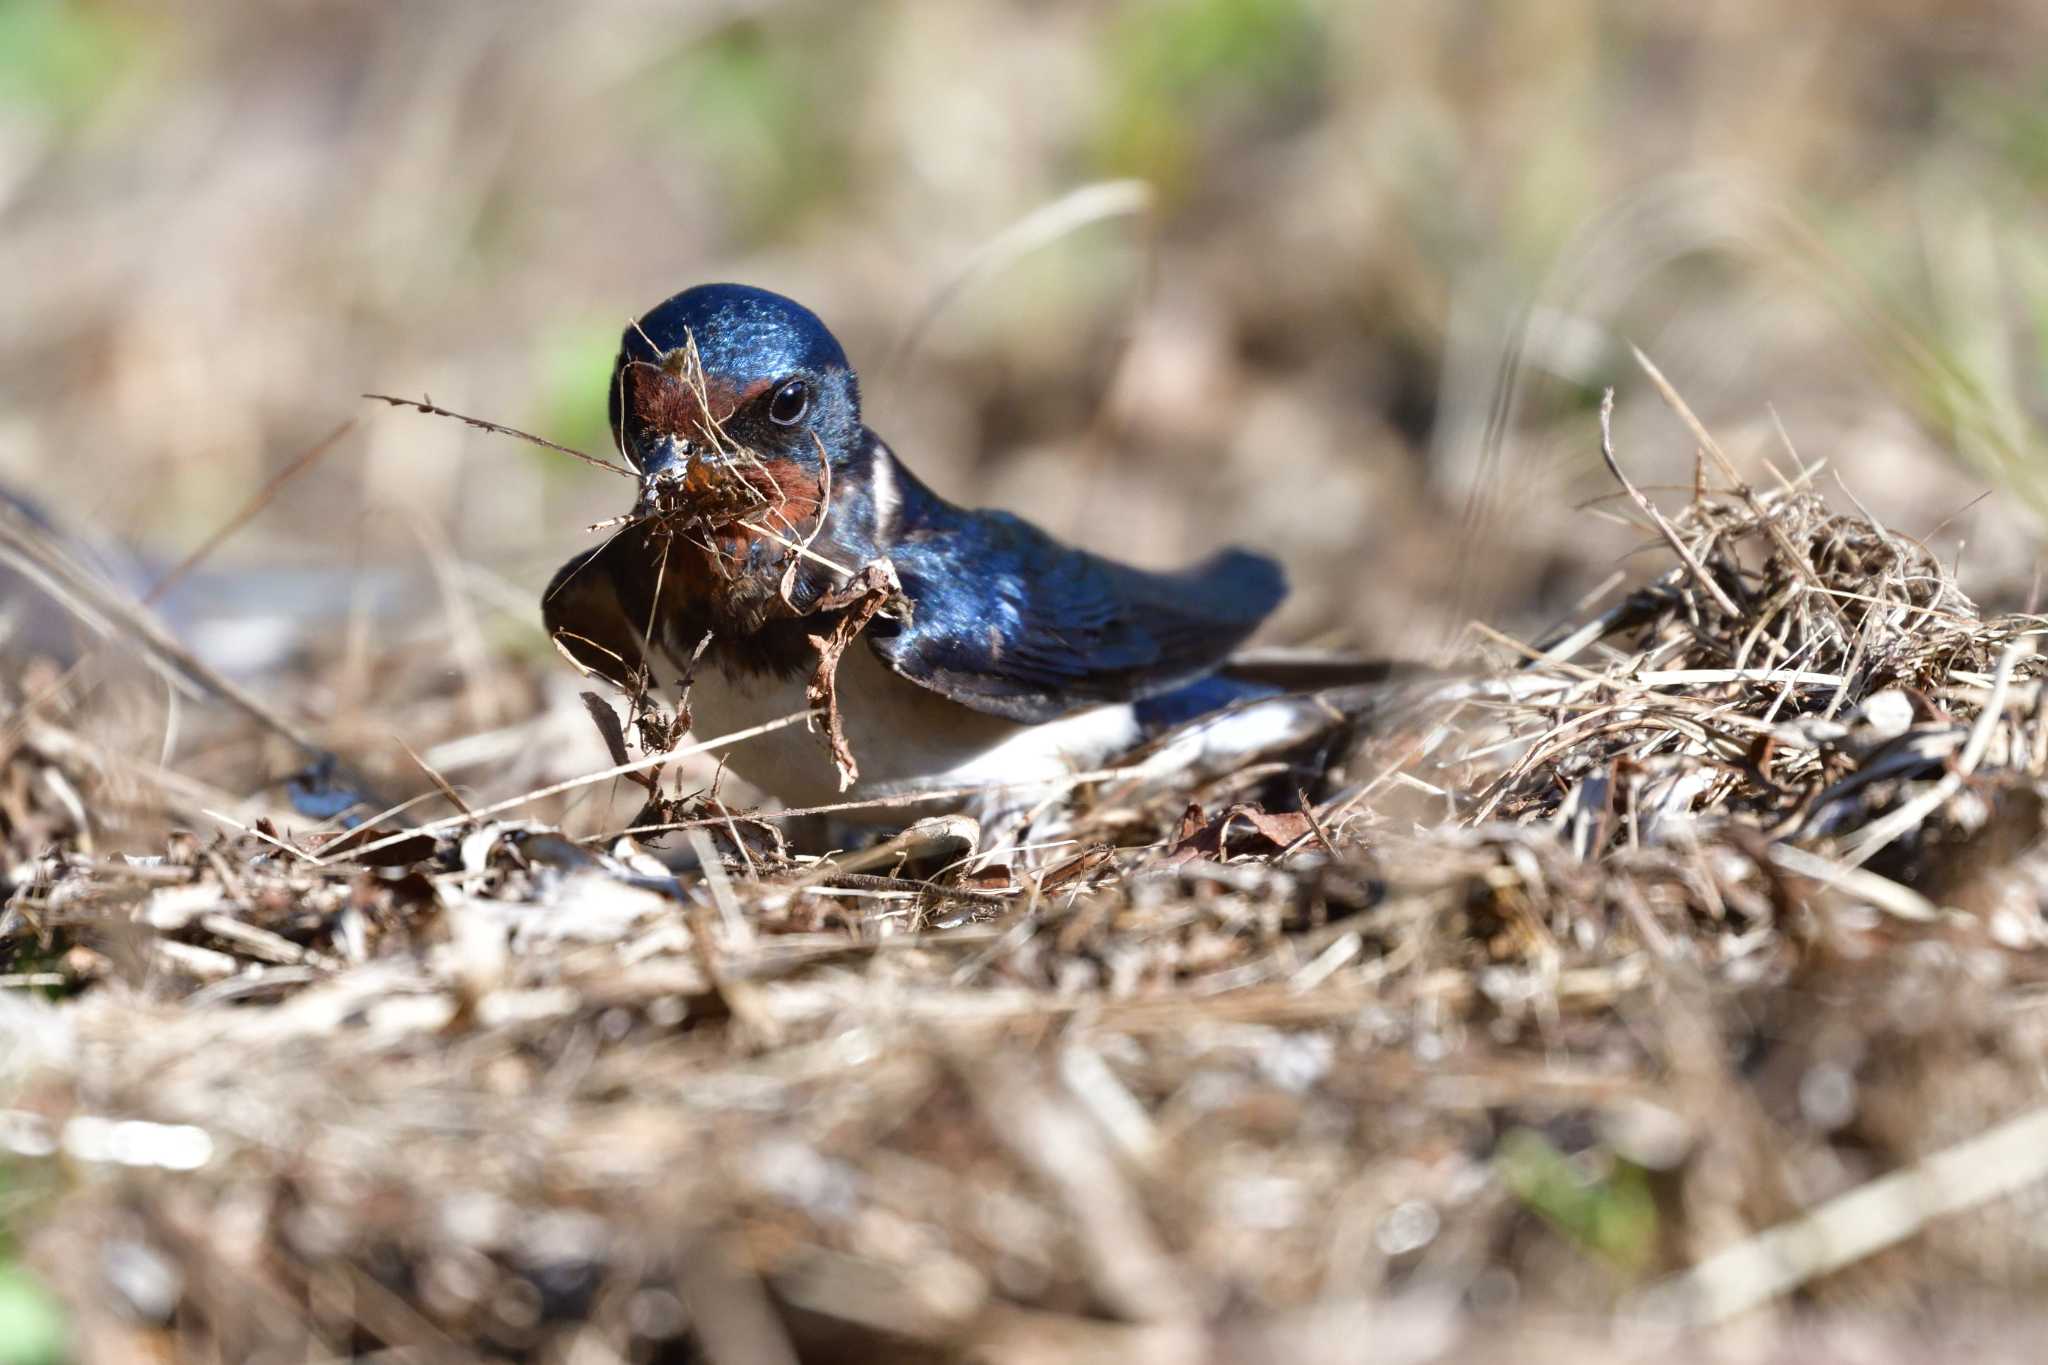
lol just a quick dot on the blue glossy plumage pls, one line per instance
(1009, 620)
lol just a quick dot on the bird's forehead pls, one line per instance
(746, 352)
(740, 336)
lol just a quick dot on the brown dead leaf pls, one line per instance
(1077, 868)
(1252, 826)
(865, 594)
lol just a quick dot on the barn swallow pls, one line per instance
(1001, 655)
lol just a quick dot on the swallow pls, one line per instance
(986, 652)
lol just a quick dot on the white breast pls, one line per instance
(905, 738)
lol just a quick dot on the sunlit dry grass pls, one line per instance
(1680, 967)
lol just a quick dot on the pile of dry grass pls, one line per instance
(1686, 968)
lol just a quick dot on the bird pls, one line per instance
(773, 523)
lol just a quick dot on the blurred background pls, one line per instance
(1340, 281)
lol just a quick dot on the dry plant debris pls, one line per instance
(1690, 965)
(863, 597)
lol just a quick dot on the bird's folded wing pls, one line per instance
(587, 622)
(1008, 621)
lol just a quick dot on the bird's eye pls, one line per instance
(789, 404)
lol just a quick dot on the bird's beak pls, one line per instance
(662, 456)
(676, 473)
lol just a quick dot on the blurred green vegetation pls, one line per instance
(32, 1329)
(754, 102)
(572, 366)
(32, 1326)
(62, 58)
(1179, 73)
(1599, 1202)
(2012, 125)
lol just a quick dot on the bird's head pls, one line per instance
(725, 378)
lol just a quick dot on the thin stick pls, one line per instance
(431, 409)
(246, 513)
(1792, 553)
(107, 611)
(1039, 228)
(1657, 518)
(884, 802)
(433, 775)
(78, 587)
(1878, 1214)
(588, 779)
(272, 839)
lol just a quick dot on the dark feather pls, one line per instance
(585, 619)
(1009, 621)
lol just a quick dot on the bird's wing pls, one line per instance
(1007, 620)
(588, 622)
